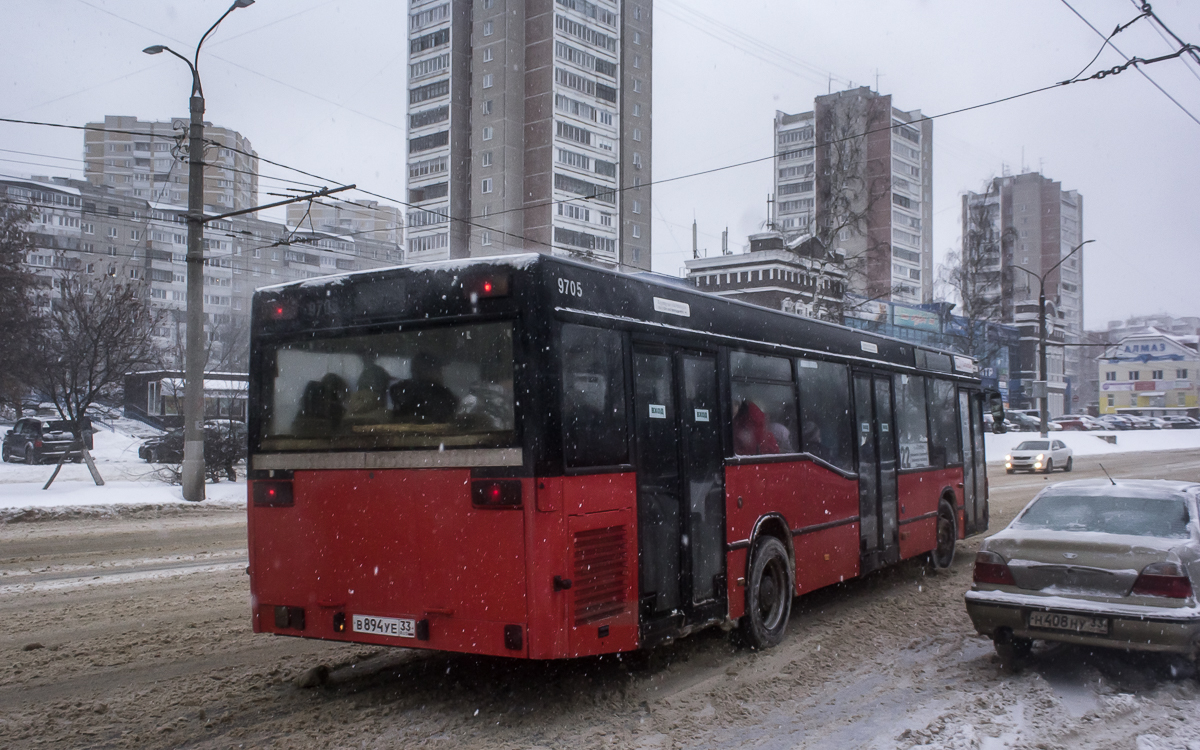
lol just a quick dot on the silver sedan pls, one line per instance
(1096, 563)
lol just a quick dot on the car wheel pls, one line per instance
(1049, 466)
(4, 454)
(152, 456)
(942, 556)
(1011, 649)
(1070, 463)
(768, 594)
(1009, 471)
(30, 456)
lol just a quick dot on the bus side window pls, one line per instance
(763, 401)
(595, 426)
(912, 421)
(825, 412)
(943, 423)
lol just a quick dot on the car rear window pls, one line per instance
(1034, 445)
(58, 426)
(1163, 517)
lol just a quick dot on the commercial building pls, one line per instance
(1152, 374)
(858, 173)
(96, 231)
(530, 128)
(796, 275)
(140, 159)
(1036, 224)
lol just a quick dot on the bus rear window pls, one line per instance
(431, 388)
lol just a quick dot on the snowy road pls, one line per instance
(137, 630)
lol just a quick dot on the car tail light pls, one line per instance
(496, 493)
(1163, 579)
(37, 443)
(991, 568)
(272, 494)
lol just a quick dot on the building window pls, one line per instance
(637, 230)
(606, 220)
(1112, 401)
(487, 80)
(1110, 375)
(486, 237)
(487, 185)
(486, 159)
(637, 109)
(637, 160)
(1181, 374)
(487, 107)
(637, 134)
(637, 37)
(488, 28)
(1156, 374)
(1133, 374)
(487, 55)
(637, 61)
(637, 12)
(637, 85)
(487, 133)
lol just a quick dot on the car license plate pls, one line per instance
(1075, 623)
(396, 627)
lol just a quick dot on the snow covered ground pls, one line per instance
(1094, 443)
(129, 481)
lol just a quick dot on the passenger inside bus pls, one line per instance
(423, 398)
(322, 406)
(752, 434)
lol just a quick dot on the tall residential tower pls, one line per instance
(858, 173)
(529, 128)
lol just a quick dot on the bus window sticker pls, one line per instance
(701, 415)
(658, 411)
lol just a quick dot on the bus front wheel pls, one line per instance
(768, 594)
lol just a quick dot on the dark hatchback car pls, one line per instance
(224, 445)
(34, 440)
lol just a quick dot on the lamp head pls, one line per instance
(242, 3)
(154, 49)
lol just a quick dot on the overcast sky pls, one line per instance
(319, 85)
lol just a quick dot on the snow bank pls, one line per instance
(1091, 443)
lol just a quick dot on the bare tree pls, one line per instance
(973, 276)
(849, 188)
(20, 290)
(96, 332)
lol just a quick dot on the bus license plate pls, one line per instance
(1075, 623)
(395, 627)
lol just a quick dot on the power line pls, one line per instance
(1127, 60)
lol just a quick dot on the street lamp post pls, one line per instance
(1044, 399)
(193, 389)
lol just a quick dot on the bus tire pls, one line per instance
(768, 594)
(942, 556)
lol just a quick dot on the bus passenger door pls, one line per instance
(877, 493)
(970, 417)
(680, 490)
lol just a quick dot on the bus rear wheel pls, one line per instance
(768, 594)
(942, 555)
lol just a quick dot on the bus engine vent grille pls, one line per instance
(601, 573)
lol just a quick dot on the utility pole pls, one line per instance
(193, 377)
(1043, 378)
(725, 242)
(695, 247)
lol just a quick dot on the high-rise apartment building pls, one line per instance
(530, 128)
(140, 159)
(1036, 224)
(858, 173)
(366, 219)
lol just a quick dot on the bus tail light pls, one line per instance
(273, 494)
(281, 309)
(1163, 579)
(991, 568)
(496, 493)
(483, 287)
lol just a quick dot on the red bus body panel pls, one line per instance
(409, 544)
(806, 495)
(919, 493)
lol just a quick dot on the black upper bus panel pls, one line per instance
(572, 291)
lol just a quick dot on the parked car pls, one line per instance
(1179, 422)
(224, 446)
(1040, 455)
(1141, 423)
(1022, 422)
(1115, 421)
(1079, 422)
(1095, 563)
(35, 440)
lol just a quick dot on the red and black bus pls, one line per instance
(530, 456)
